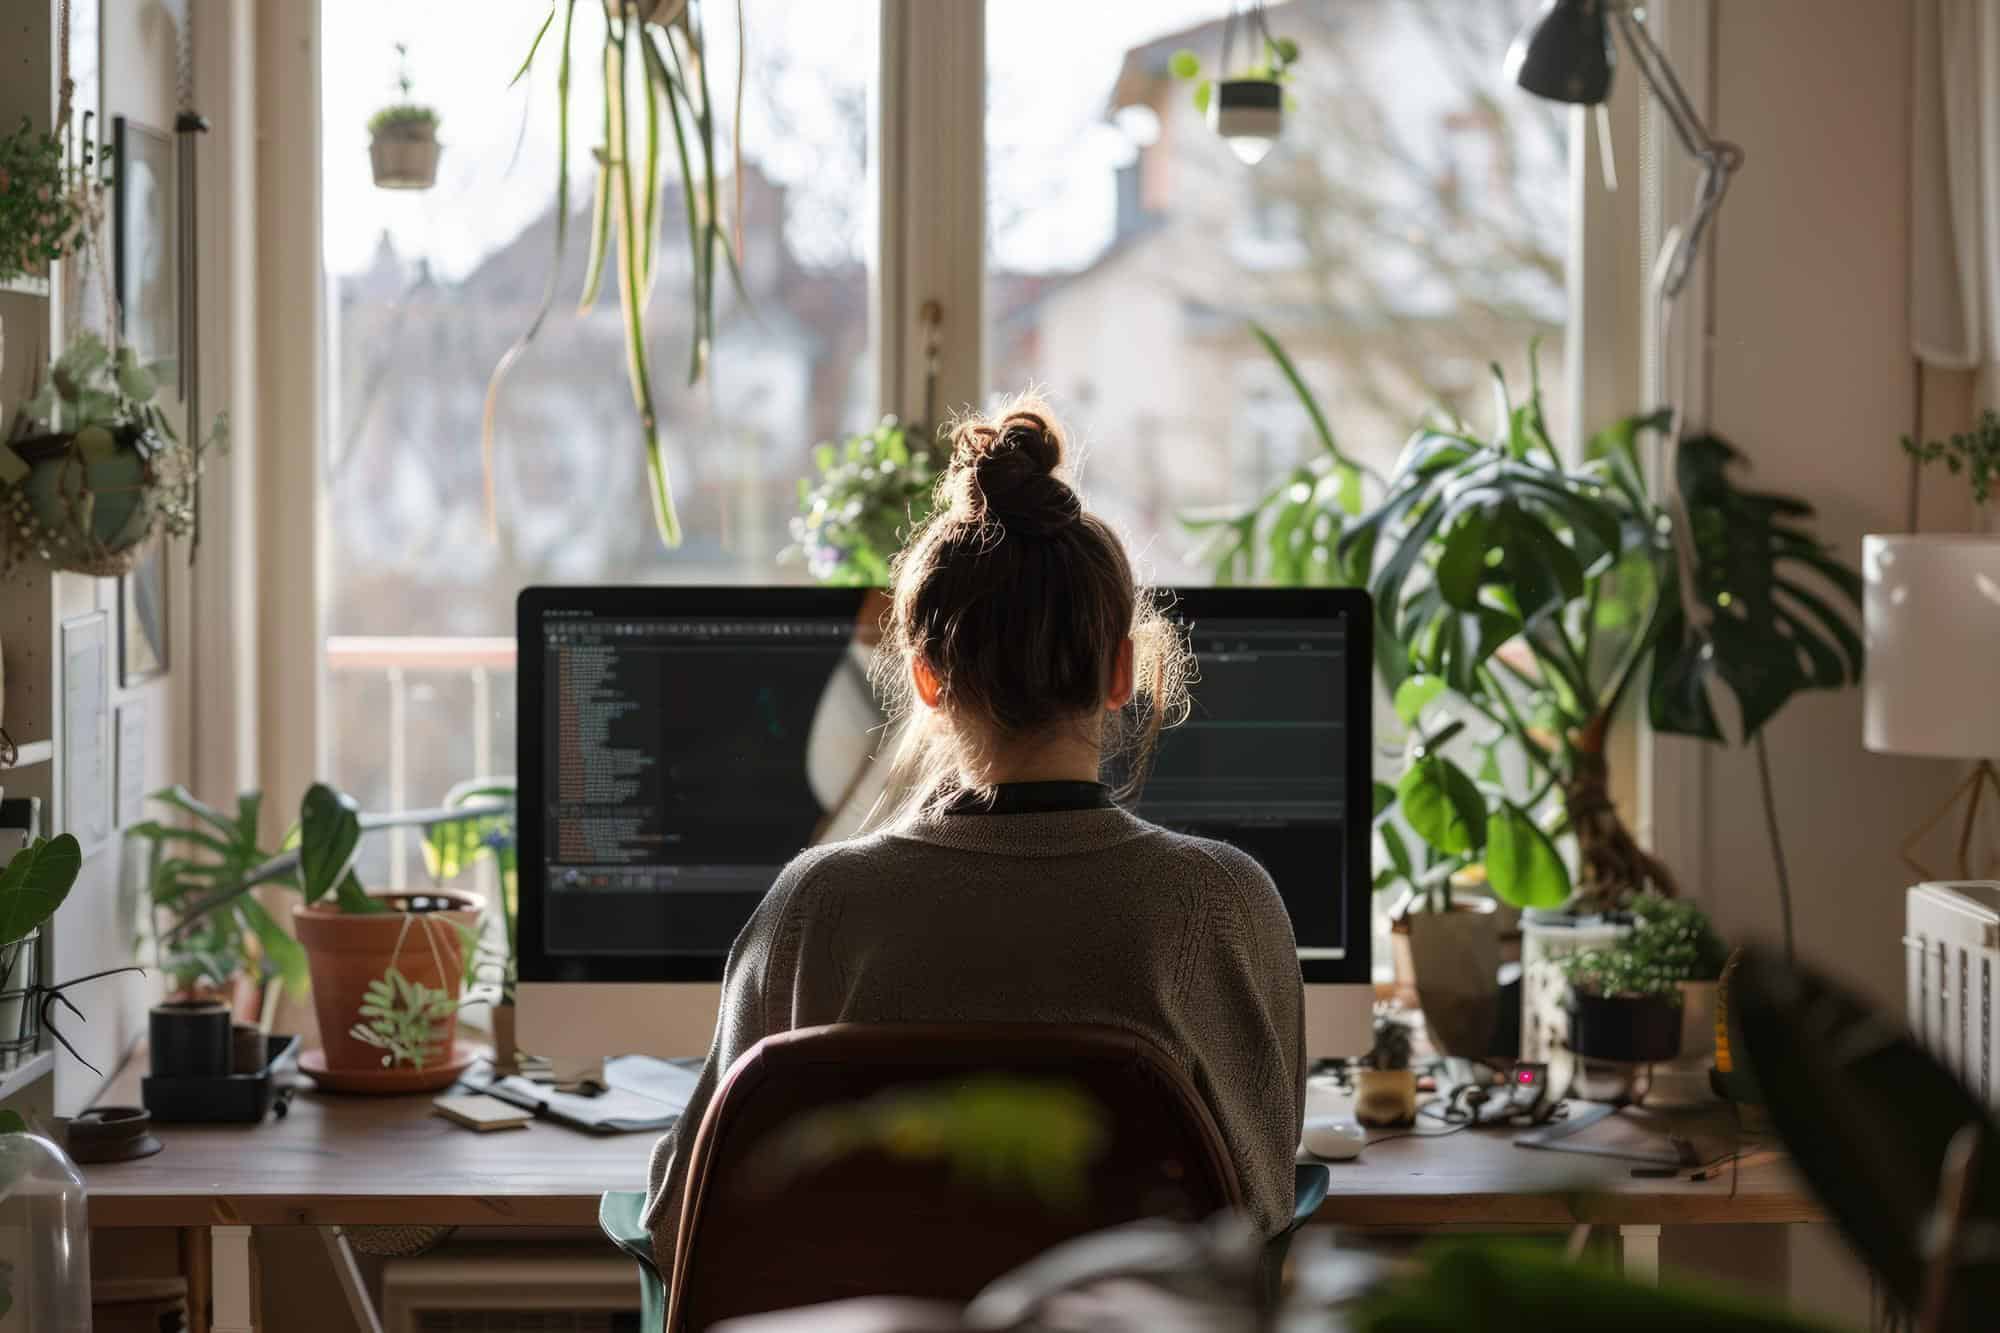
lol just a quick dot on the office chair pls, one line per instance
(872, 1224)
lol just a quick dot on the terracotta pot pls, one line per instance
(246, 1049)
(1404, 961)
(246, 999)
(346, 951)
(1456, 957)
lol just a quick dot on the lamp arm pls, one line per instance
(1718, 158)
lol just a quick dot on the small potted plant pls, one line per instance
(217, 966)
(403, 146)
(1385, 1087)
(1623, 1007)
(389, 971)
(92, 469)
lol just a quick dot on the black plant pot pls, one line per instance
(1626, 1029)
(190, 1039)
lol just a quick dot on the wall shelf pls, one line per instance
(31, 754)
(17, 1081)
(26, 286)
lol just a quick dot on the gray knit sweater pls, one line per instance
(1076, 916)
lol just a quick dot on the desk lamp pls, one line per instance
(1566, 55)
(1932, 614)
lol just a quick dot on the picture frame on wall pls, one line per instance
(147, 253)
(142, 618)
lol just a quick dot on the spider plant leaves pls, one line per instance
(1442, 805)
(534, 46)
(1770, 634)
(631, 293)
(329, 836)
(35, 883)
(490, 414)
(1522, 863)
(607, 156)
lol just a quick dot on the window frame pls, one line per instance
(928, 168)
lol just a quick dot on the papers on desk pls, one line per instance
(644, 1094)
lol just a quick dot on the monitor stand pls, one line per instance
(576, 1026)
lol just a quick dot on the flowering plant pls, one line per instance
(872, 492)
(46, 206)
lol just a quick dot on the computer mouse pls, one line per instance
(1334, 1139)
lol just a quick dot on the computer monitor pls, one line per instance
(677, 746)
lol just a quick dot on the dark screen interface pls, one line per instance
(689, 760)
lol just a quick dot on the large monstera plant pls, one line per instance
(1521, 600)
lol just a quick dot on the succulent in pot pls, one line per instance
(1385, 1087)
(92, 468)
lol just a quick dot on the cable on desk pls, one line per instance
(1459, 1128)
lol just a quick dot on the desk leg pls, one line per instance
(1638, 1253)
(233, 1285)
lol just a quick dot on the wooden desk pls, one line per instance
(352, 1161)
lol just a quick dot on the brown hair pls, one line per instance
(1018, 599)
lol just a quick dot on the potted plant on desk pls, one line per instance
(389, 970)
(1642, 999)
(1385, 1087)
(1521, 601)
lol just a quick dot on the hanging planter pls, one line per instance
(92, 469)
(1247, 107)
(403, 146)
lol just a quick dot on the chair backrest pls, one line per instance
(870, 1223)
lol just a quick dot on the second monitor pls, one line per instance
(677, 746)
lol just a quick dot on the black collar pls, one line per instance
(1033, 798)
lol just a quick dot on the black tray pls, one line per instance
(236, 1099)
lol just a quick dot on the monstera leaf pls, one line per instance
(1781, 604)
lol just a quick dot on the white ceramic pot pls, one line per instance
(1546, 939)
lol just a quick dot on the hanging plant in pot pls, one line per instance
(92, 468)
(403, 147)
(1245, 107)
(48, 204)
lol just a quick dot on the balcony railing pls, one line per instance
(400, 661)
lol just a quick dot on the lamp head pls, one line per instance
(1565, 53)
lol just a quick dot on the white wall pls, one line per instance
(1812, 377)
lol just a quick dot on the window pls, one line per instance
(427, 290)
(1408, 229)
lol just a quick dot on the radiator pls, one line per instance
(1951, 939)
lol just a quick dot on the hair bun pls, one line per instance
(1005, 471)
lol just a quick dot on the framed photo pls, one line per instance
(142, 618)
(147, 262)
